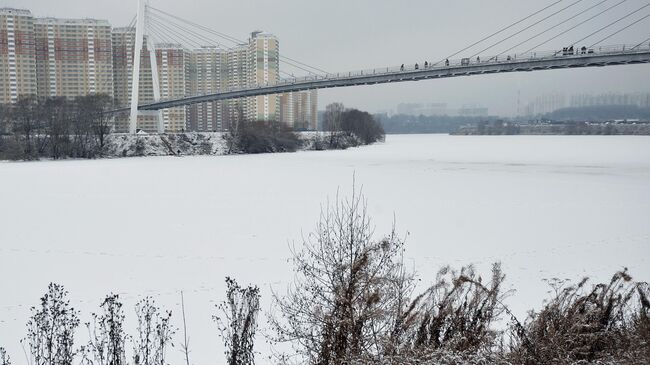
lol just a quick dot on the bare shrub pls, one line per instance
(237, 322)
(4, 357)
(579, 323)
(107, 338)
(51, 329)
(261, 137)
(456, 313)
(154, 333)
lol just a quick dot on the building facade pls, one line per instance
(205, 72)
(74, 57)
(17, 55)
(171, 75)
(264, 69)
(299, 110)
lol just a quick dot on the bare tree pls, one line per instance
(236, 120)
(154, 333)
(349, 289)
(57, 116)
(107, 337)
(26, 126)
(332, 122)
(4, 357)
(51, 329)
(5, 117)
(237, 322)
(101, 120)
(362, 125)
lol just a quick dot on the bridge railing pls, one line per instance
(462, 62)
(455, 63)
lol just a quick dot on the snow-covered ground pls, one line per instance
(544, 206)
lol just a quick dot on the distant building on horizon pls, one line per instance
(441, 109)
(641, 100)
(426, 109)
(546, 103)
(549, 103)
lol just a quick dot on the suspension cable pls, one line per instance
(163, 23)
(640, 44)
(183, 40)
(166, 23)
(615, 33)
(612, 23)
(528, 27)
(500, 31)
(555, 26)
(229, 38)
(575, 26)
(189, 31)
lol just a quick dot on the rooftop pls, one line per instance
(60, 21)
(12, 11)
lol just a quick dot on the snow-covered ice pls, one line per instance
(544, 206)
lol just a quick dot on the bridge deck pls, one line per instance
(533, 62)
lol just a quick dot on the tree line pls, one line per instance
(354, 300)
(56, 128)
(343, 128)
(424, 124)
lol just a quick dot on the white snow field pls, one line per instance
(544, 206)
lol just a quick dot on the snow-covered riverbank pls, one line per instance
(544, 206)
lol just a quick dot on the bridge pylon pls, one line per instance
(141, 31)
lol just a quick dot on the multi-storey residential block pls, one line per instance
(264, 66)
(237, 71)
(171, 74)
(73, 57)
(205, 72)
(17, 55)
(52, 57)
(299, 110)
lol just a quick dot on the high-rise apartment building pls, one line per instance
(639, 99)
(264, 69)
(171, 75)
(123, 44)
(299, 110)
(17, 55)
(52, 57)
(73, 57)
(205, 72)
(237, 76)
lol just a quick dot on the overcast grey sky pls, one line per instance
(344, 35)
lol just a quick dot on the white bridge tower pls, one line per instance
(141, 32)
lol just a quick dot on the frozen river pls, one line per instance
(544, 206)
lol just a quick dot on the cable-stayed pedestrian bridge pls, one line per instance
(581, 27)
(555, 60)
